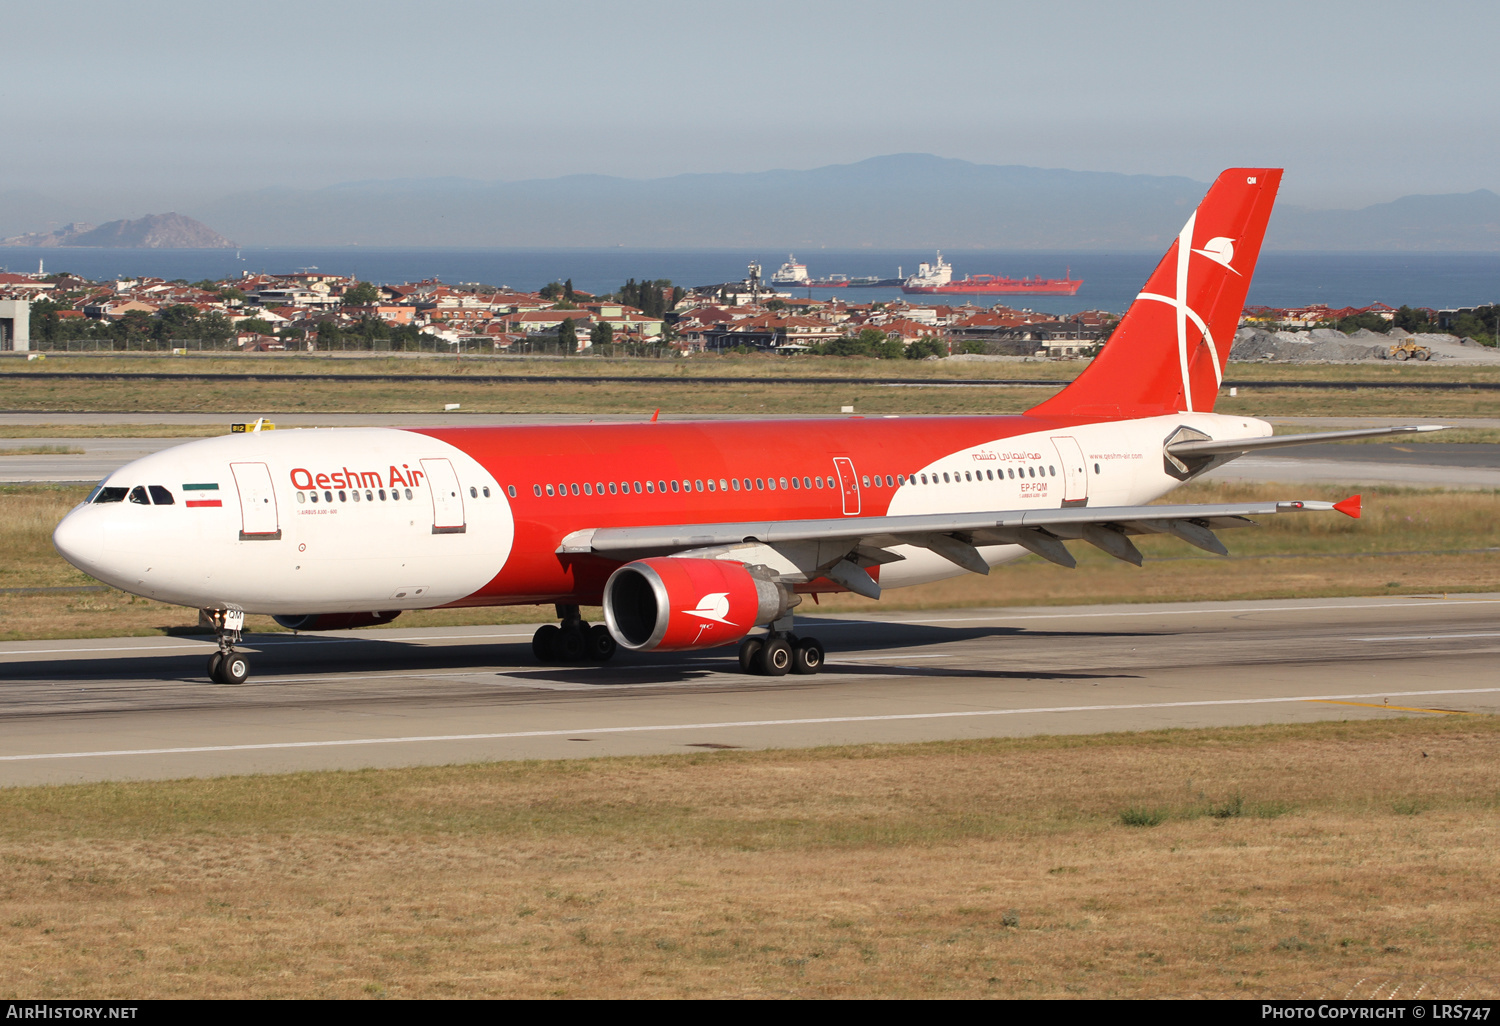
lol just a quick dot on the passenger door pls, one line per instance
(850, 484)
(258, 517)
(1075, 471)
(447, 502)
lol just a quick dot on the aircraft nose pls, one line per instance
(80, 540)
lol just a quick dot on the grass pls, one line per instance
(762, 388)
(41, 450)
(1007, 868)
(1408, 542)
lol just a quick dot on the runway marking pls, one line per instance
(822, 625)
(731, 724)
(1428, 637)
(1399, 708)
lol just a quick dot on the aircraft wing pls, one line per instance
(841, 548)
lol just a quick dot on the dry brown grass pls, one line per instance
(1289, 860)
(675, 386)
(1408, 541)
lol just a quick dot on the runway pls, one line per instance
(124, 708)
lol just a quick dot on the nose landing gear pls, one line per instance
(226, 666)
(573, 641)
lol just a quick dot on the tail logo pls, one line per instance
(1220, 251)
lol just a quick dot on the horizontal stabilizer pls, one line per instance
(1222, 447)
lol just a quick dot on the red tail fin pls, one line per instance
(1167, 354)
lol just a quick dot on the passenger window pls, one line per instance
(1012, 472)
(382, 492)
(575, 487)
(160, 496)
(888, 482)
(865, 480)
(111, 494)
(900, 479)
(328, 496)
(710, 484)
(760, 484)
(312, 496)
(1096, 468)
(1051, 471)
(796, 483)
(486, 491)
(661, 486)
(946, 479)
(551, 490)
(512, 490)
(473, 492)
(749, 484)
(408, 493)
(723, 485)
(783, 484)
(637, 488)
(343, 496)
(613, 489)
(138, 495)
(698, 485)
(807, 482)
(302, 497)
(536, 488)
(734, 483)
(599, 487)
(674, 484)
(924, 478)
(588, 489)
(650, 488)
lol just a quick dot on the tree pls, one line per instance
(552, 290)
(1415, 321)
(567, 336)
(1374, 322)
(568, 292)
(257, 325)
(602, 335)
(922, 348)
(361, 293)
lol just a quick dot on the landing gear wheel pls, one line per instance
(775, 658)
(568, 646)
(544, 643)
(599, 643)
(807, 656)
(234, 669)
(215, 663)
(750, 653)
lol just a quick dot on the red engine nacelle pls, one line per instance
(334, 621)
(671, 603)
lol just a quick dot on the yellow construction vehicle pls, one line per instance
(1407, 350)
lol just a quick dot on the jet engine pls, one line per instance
(334, 621)
(672, 603)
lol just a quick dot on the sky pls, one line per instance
(160, 104)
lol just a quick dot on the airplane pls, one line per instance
(697, 535)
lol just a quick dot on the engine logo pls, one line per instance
(713, 606)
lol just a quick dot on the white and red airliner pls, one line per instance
(692, 535)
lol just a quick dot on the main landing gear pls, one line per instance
(572, 641)
(780, 652)
(226, 666)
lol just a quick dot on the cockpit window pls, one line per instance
(110, 494)
(138, 494)
(160, 496)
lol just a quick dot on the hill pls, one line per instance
(154, 231)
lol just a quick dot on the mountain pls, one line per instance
(154, 231)
(1467, 221)
(905, 200)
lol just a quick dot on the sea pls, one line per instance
(1110, 280)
